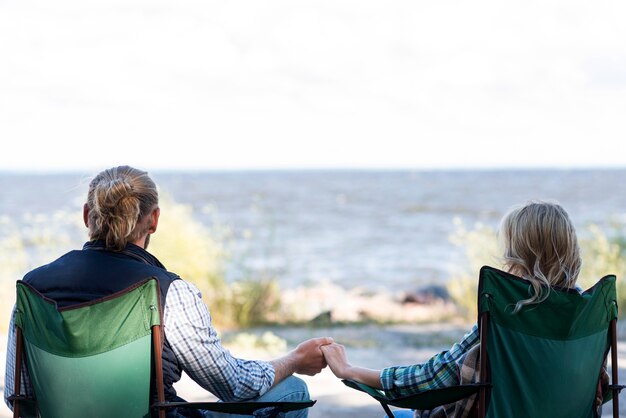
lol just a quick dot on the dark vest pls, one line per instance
(94, 272)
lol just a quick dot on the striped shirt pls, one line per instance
(441, 370)
(190, 333)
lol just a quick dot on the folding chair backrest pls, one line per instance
(92, 359)
(544, 360)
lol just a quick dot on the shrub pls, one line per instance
(267, 342)
(186, 247)
(255, 302)
(22, 249)
(603, 253)
(200, 255)
(480, 247)
(195, 252)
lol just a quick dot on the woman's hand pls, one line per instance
(335, 355)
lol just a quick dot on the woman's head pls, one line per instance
(118, 206)
(540, 245)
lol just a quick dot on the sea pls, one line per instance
(354, 228)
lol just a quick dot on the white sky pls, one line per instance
(315, 83)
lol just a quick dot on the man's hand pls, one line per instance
(308, 356)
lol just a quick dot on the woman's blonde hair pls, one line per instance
(540, 245)
(118, 199)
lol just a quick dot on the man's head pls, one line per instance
(122, 206)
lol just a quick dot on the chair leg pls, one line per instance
(158, 366)
(481, 399)
(387, 410)
(18, 370)
(614, 367)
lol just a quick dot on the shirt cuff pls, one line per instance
(387, 377)
(270, 373)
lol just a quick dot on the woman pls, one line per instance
(540, 245)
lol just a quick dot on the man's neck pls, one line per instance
(142, 241)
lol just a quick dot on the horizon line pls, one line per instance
(59, 171)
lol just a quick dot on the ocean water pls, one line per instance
(373, 229)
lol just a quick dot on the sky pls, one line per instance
(287, 84)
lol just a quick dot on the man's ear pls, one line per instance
(86, 215)
(154, 220)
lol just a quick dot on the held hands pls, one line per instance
(311, 356)
(335, 355)
(309, 359)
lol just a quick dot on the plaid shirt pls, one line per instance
(193, 339)
(195, 342)
(469, 372)
(441, 370)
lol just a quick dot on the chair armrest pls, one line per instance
(242, 408)
(423, 400)
(609, 393)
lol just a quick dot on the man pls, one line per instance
(121, 214)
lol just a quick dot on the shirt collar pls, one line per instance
(131, 250)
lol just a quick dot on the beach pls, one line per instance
(373, 346)
(365, 257)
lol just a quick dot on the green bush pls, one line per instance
(603, 253)
(268, 342)
(186, 247)
(255, 302)
(480, 246)
(198, 254)
(22, 249)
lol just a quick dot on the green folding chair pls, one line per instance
(100, 359)
(543, 361)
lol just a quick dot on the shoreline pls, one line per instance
(328, 303)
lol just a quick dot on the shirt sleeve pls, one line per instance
(188, 329)
(441, 370)
(9, 375)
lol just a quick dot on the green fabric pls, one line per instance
(88, 329)
(422, 401)
(77, 355)
(545, 360)
(540, 377)
(563, 315)
(70, 387)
